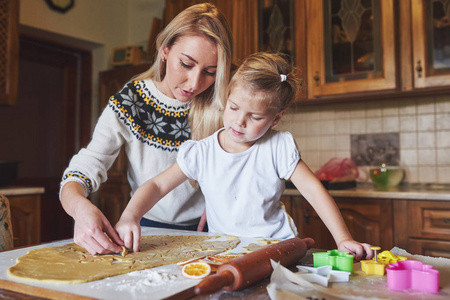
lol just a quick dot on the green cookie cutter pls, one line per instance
(341, 261)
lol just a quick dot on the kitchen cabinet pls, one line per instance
(347, 49)
(368, 220)
(430, 22)
(423, 227)
(114, 194)
(26, 219)
(418, 226)
(9, 51)
(350, 47)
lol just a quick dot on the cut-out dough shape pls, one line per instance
(73, 264)
(258, 245)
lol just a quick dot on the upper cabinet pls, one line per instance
(350, 46)
(346, 49)
(431, 42)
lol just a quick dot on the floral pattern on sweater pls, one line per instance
(150, 120)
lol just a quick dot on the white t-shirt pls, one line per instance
(242, 190)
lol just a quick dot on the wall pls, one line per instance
(323, 132)
(95, 25)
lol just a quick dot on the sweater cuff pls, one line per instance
(79, 177)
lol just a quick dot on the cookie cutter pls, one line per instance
(412, 274)
(322, 275)
(377, 265)
(341, 261)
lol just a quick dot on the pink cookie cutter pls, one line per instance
(412, 274)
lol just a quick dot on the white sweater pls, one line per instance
(152, 127)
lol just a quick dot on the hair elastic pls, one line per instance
(283, 77)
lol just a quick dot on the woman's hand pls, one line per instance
(357, 249)
(93, 231)
(129, 231)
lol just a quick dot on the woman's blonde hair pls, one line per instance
(201, 19)
(269, 73)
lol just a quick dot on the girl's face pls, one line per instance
(245, 119)
(191, 65)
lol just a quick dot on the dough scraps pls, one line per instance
(73, 264)
(260, 244)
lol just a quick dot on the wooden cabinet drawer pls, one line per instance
(368, 220)
(429, 247)
(429, 219)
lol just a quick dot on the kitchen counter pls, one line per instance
(440, 192)
(21, 190)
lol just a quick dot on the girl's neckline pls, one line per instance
(219, 144)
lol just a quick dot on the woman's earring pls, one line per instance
(163, 59)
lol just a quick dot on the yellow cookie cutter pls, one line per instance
(378, 264)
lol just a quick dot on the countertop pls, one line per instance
(21, 190)
(437, 192)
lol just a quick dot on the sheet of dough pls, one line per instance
(73, 264)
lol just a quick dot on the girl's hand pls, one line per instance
(93, 231)
(202, 222)
(129, 231)
(357, 249)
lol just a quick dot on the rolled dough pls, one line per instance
(73, 264)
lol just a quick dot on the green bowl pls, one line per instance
(386, 176)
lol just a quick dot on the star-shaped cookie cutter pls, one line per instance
(322, 275)
(412, 274)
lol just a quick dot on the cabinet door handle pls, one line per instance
(419, 69)
(317, 78)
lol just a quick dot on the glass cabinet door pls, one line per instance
(431, 42)
(350, 46)
(282, 28)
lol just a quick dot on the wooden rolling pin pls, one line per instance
(245, 270)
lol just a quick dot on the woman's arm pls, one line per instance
(90, 224)
(145, 197)
(322, 202)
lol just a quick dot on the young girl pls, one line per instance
(241, 169)
(149, 117)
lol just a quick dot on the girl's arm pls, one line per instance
(312, 189)
(145, 197)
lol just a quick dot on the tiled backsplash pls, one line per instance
(423, 124)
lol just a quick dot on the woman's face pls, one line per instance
(191, 65)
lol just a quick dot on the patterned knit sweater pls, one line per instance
(152, 127)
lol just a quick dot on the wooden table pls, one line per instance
(110, 288)
(132, 285)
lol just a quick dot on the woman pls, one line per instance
(176, 99)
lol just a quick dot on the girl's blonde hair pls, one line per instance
(206, 20)
(264, 72)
